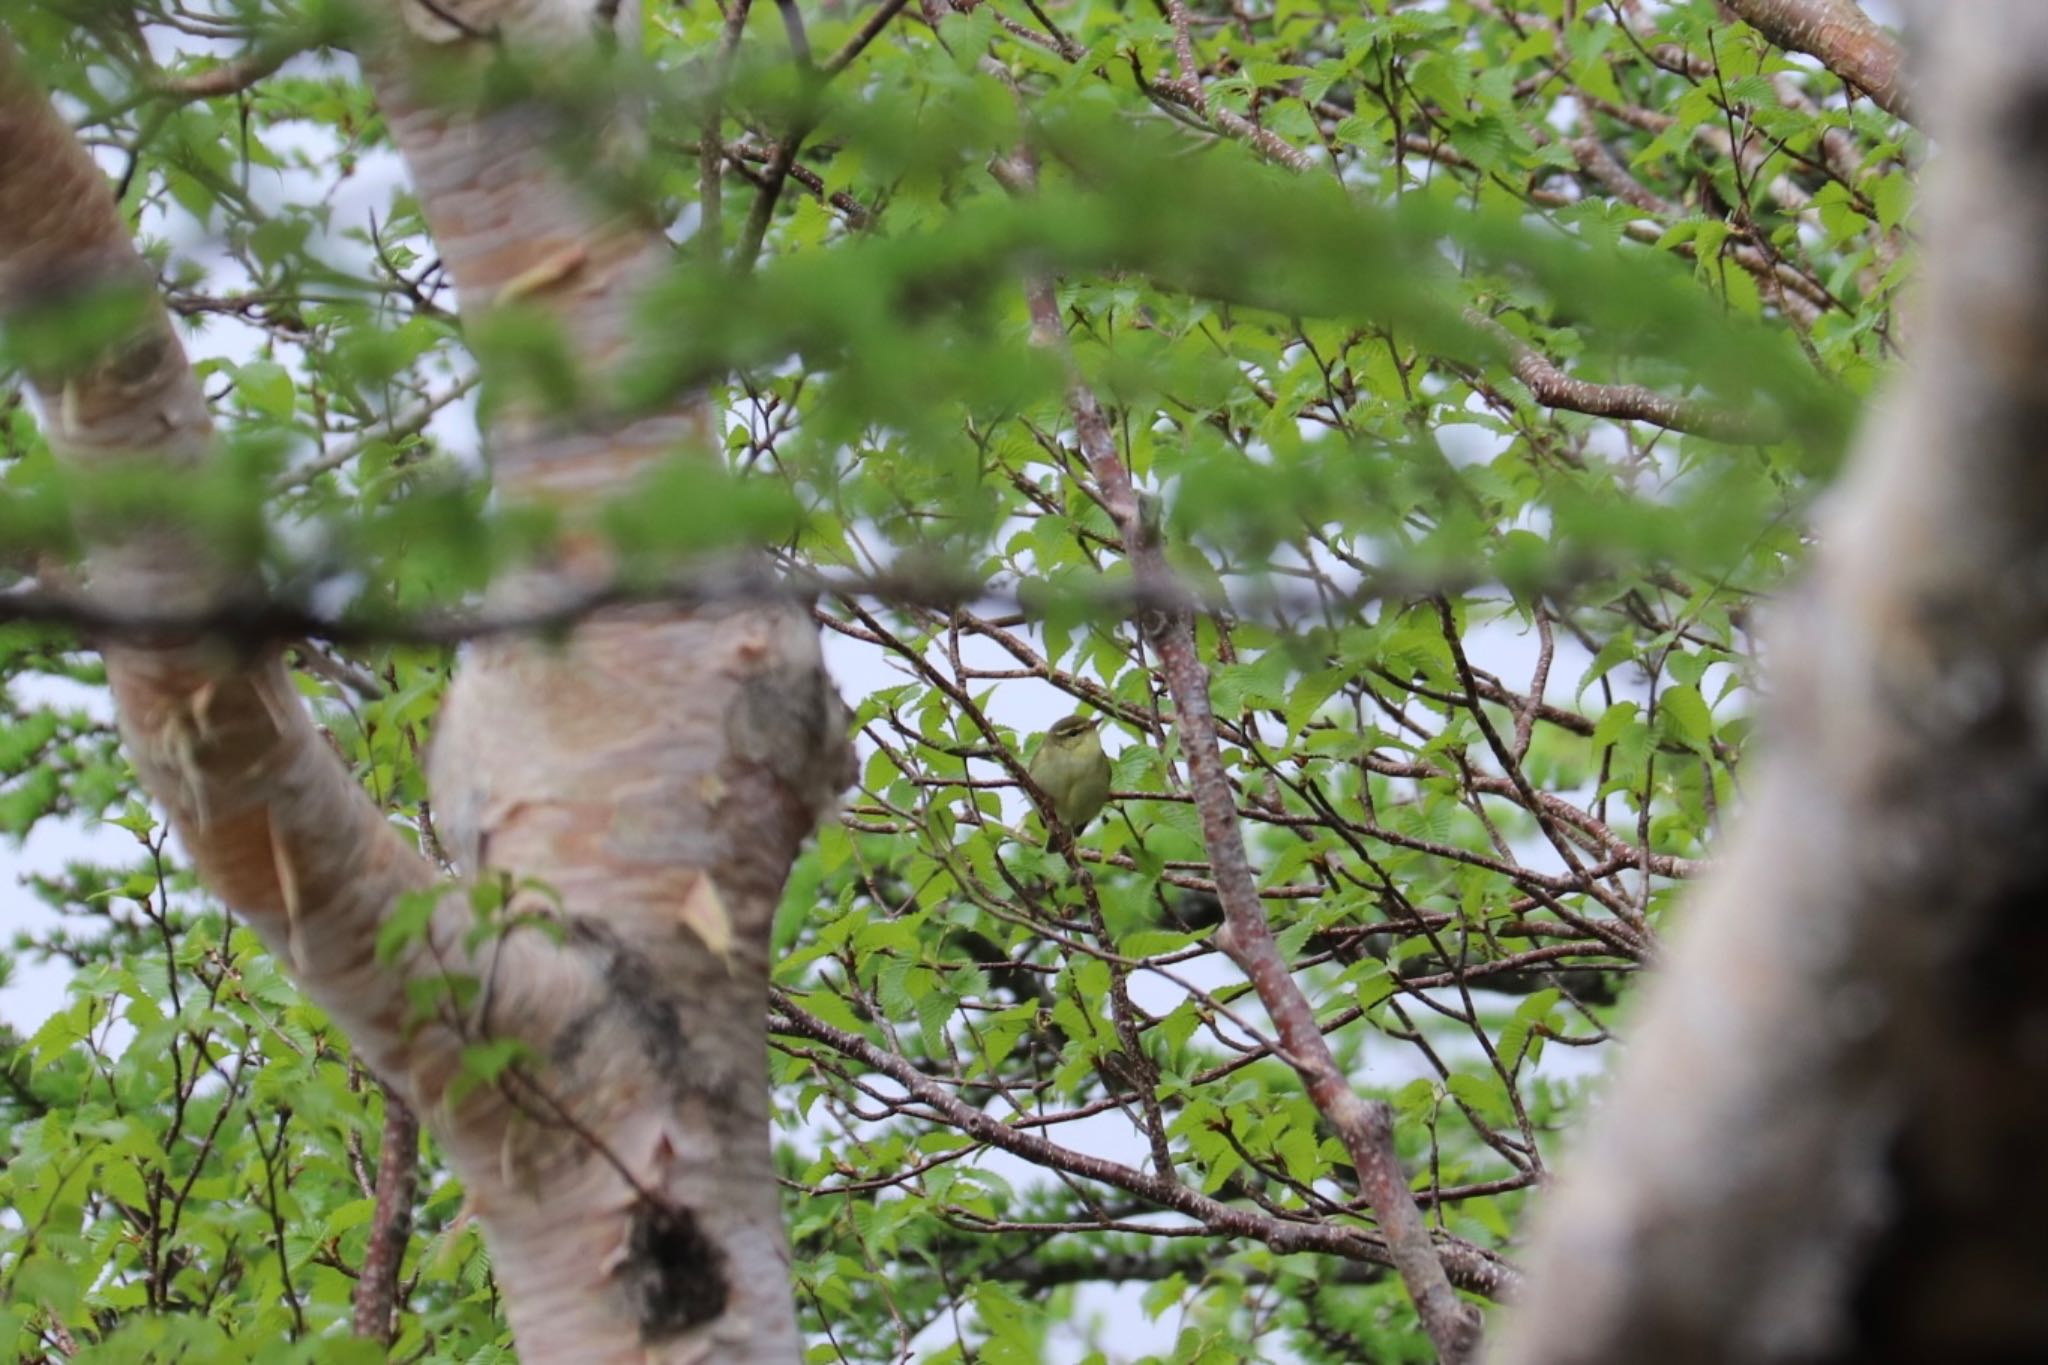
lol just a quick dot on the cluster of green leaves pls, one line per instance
(1289, 364)
(192, 1153)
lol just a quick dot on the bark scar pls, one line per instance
(674, 1273)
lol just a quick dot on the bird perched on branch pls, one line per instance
(1071, 768)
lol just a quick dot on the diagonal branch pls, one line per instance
(1845, 40)
(1553, 388)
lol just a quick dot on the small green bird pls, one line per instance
(1073, 770)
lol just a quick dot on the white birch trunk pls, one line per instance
(657, 772)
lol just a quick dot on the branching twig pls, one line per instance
(1477, 1271)
(408, 423)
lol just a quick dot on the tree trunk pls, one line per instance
(1823, 1143)
(644, 785)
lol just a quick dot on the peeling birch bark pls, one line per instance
(655, 774)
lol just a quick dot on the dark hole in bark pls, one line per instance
(2026, 124)
(675, 1275)
(137, 358)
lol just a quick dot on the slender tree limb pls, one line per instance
(710, 162)
(229, 77)
(738, 154)
(398, 427)
(1553, 388)
(762, 213)
(398, 1166)
(864, 35)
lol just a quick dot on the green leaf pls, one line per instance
(1685, 716)
(267, 387)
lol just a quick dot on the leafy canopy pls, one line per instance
(1479, 644)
